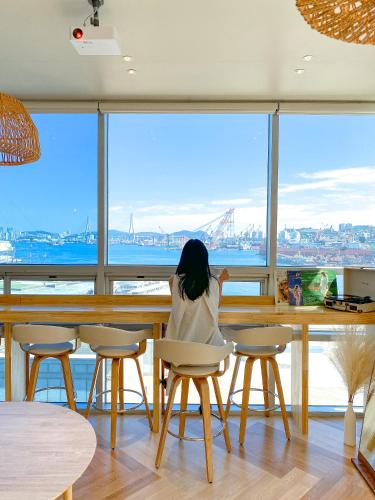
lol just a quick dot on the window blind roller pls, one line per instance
(188, 107)
(61, 106)
(327, 108)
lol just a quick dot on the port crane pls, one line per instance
(223, 229)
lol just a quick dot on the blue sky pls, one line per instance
(180, 171)
(326, 170)
(59, 191)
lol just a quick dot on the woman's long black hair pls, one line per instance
(193, 270)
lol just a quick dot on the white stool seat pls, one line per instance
(48, 341)
(112, 351)
(261, 344)
(116, 344)
(259, 350)
(195, 371)
(49, 349)
(193, 361)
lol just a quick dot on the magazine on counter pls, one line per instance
(295, 288)
(318, 284)
(281, 287)
(311, 286)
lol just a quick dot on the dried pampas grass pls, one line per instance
(353, 355)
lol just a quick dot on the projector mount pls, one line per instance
(94, 18)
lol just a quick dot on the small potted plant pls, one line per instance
(353, 355)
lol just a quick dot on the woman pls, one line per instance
(196, 295)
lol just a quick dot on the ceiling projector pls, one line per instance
(95, 40)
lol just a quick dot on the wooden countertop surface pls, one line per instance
(44, 448)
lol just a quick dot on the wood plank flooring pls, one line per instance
(267, 467)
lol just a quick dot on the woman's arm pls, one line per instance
(170, 281)
(224, 276)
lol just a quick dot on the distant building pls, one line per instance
(291, 236)
(345, 227)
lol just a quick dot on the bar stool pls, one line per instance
(116, 344)
(46, 341)
(264, 344)
(196, 362)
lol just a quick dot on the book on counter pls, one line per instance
(309, 288)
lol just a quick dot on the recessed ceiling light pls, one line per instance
(127, 58)
(131, 71)
(299, 71)
(307, 57)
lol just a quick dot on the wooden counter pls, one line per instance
(155, 310)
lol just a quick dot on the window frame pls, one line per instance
(104, 274)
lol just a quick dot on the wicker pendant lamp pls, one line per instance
(351, 21)
(19, 141)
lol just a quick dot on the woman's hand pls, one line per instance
(224, 276)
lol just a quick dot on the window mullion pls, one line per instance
(273, 164)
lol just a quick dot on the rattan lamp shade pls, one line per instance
(19, 141)
(348, 20)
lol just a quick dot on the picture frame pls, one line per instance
(365, 460)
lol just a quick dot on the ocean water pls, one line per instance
(81, 253)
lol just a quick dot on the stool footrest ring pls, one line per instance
(119, 412)
(53, 388)
(191, 412)
(262, 410)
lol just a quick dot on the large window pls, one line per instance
(152, 287)
(175, 176)
(48, 211)
(326, 191)
(52, 287)
(178, 176)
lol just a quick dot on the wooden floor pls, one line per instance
(267, 467)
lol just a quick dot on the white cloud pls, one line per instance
(233, 202)
(170, 208)
(115, 208)
(342, 174)
(332, 180)
(326, 197)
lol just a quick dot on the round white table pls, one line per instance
(44, 449)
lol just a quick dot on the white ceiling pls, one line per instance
(196, 49)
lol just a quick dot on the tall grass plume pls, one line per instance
(353, 355)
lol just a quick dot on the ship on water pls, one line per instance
(7, 252)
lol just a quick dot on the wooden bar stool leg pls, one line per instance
(121, 384)
(280, 393)
(263, 365)
(68, 494)
(206, 413)
(245, 398)
(162, 390)
(232, 384)
(33, 377)
(183, 405)
(27, 370)
(148, 413)
(166, 420)
(222, 413)
(93, 383)
(64, 359)
(114, 393)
